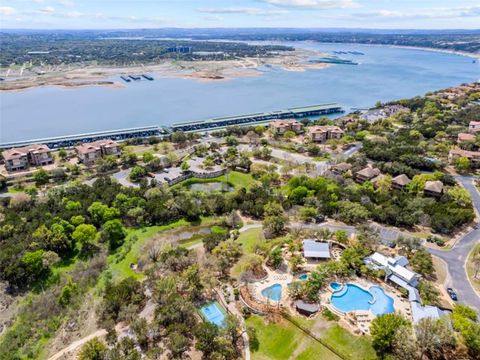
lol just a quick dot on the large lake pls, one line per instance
(383, 73)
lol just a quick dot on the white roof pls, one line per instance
(314, 249)
(394, 265)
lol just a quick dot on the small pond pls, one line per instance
(211, 187)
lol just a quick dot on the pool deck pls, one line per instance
(273, 277)
(364, 317)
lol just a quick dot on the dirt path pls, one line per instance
(77, 344)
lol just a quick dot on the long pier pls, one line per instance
(72, 140)
(193, 126)
(256, 118)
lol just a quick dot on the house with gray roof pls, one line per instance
(316, 250)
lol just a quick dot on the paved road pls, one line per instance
(456, 257)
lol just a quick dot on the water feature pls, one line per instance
(211, 187)
(384, 73)
(273, 292)
(213, 313)
(336, 286)
(353, 297)
(303, 277)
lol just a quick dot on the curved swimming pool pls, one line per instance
(356, 298)
(273, 292)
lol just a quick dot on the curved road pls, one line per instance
(456, 257)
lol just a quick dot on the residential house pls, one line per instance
(89, 152)
(20, 158)
(465, 137)
(395, 109)
(321, 134)
(366, 174)
(341, 168)
(474, 126)
(282, 126)
(400, 182)
(473, 156)
(316, 250)
(433, 188)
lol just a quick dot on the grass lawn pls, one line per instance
(282, 340)
(233, 178)
(250, 238)
(471, 272)
(121, 269)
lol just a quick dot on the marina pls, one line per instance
(193, 126)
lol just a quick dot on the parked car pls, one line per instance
(452, 294)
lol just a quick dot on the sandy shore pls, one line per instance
(82, 75)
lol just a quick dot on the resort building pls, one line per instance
(89, 152)
(366, 174)
(316, 250)
(400, 182)
(321, 134)
(395, 269)
(20, 158)
(474, 126)
(465, 137)
(473, 156)
(282, 126)
(433, 188)
(341, 168)
(420, 311)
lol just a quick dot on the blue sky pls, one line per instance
(109, 14)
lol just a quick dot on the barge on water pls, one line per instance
(134, 77)
(124, 78)
(257, 118)
(148, 77)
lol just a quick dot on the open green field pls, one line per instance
(282, 340)
(233, 178)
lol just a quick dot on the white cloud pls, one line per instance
(48, 10)
(242, 10)
(314, 4)
(75, 14)
(432, 13)
(7, 10)
(66, 2)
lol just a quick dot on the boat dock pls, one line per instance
(257, 118)
(72, 140)
(192, 126)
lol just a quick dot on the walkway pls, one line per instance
(457, 256)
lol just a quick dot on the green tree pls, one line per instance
(428, 292)
(275, 257)
(275, 220)
(206, 335)
(35, 265)
(94, 349)
(422, 262)
(137, 173)
(147, 157)
(435, 339)
(462, 164)
(384, 329)
(114, 233)
(41, 177)
(84, 234)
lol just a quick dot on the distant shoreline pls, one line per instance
(444, 51)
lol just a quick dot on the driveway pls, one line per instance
(456, 257)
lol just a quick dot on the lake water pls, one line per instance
(383, 73)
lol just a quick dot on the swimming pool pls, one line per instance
(354, 298)
(213, 313)
(303, 277)
(273, 292)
